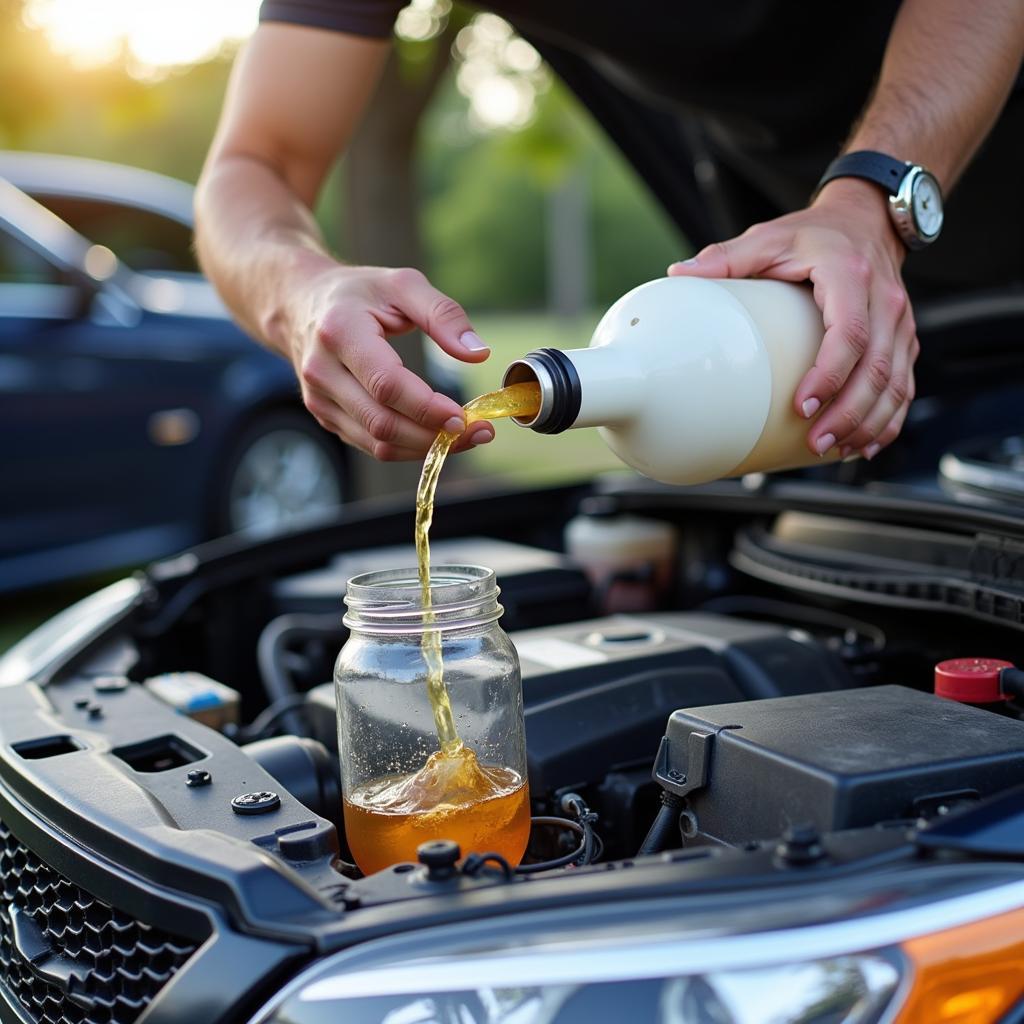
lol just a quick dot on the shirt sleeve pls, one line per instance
(373, 18)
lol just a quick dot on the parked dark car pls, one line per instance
(138, 418)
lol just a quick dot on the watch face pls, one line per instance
(927, 205)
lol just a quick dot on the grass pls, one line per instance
(515, 454)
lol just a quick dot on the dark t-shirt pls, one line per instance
(766, 73)
(775, 86)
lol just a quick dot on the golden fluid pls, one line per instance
(484, 808)
(515, 400)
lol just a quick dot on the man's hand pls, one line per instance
(353, 381)
(947, 71)
(846, 246)
(258, 241)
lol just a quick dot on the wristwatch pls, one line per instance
(915, 198)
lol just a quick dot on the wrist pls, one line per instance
(869, 204)
(292, 300)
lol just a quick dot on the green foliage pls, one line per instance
(484, 207)
(47, 104)
(483, 229)
(415, 57)
(632, 238)
(558, 140)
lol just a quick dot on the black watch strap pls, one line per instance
(867, 163)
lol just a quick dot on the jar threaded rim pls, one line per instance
(390, 600)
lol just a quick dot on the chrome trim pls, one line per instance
(641, 960)
(48, 236)
(42, 231)
(980, 475)
(933, 315)
(76, 177)
(901, 208)
(526, 369)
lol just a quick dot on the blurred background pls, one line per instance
(137, 420)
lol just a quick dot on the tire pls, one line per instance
(282, 472)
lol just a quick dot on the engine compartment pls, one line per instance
(770, 724)
(598, 693)
(765, 724)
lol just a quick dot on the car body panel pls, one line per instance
(92, 356)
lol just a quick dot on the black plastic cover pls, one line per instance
(835, 760)
(123, 790)
(597, 693)
(538, 587)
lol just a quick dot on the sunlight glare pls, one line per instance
(500, 74)
(153, 33)
(422, 19)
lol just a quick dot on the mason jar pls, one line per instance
(400, 787)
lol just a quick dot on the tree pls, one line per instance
(382, 198)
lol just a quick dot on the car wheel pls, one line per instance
(283, 471)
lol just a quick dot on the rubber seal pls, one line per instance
(971, 680)
(568, 394)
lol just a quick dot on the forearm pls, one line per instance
(256, 241)
(948, 69)
(279, 133)
(295, 97)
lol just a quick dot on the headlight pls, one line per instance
(851, 990)
(936, 945)
(967, 975)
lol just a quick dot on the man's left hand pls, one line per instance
(846, 246)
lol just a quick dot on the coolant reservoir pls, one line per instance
(401, 786)
(688, 379)
(629, 560)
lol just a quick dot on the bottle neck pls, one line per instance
(582, 387)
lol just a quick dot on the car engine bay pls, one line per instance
(769, 718)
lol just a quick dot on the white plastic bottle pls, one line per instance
(688, 379)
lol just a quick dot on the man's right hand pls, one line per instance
(354, 382)
(257, 240)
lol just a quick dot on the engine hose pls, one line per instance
(277, 682)
(665, 827)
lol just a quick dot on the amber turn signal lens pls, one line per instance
(967, 975)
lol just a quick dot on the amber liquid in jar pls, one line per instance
(484, 808)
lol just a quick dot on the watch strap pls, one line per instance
(883, 170)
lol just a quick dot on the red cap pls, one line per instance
(971, 680)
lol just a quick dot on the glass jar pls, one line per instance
(400, 787)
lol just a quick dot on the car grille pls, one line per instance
(69, 958)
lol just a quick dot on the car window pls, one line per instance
(141, 239)
(21, 265)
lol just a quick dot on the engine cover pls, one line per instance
(597, 692)
(837, 760)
